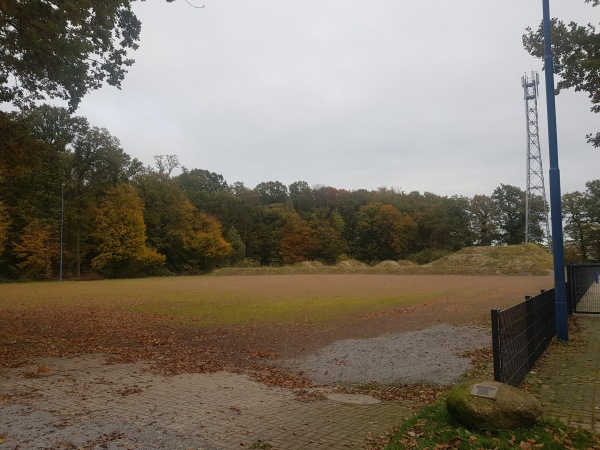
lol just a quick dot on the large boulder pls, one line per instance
(492, 406)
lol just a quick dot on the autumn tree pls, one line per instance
(100, 161)
(37, 250)
(327, 233)
(301, 196)
(443, 223)
(191, 241)
(121, 235)
(165, 164)
(37, 193)
(71, 157)
(510, 213)
(276, 228)
(238, 247)
(577, 225)
(166, 214)
(326, 197)
(19, 152)
(209, 193)
(576, 53)
(593, 210)
(55, 126)
(204, 246)
(98, 164)
(4, 227)
(196, 182)
(241, 209)
(295, 241)
(271, 192)
(384, 232)
(483, 220)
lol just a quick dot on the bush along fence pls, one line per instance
(520, 335)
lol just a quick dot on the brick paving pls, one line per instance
(85, 403)
(567, 378)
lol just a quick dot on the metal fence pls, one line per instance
(520, 335)
(584, 292)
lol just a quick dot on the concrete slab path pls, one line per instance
(567, 377)
(84, 403)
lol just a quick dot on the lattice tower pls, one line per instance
(535, 210)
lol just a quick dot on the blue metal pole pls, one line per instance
(562, 326)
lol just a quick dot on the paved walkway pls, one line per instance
(567, 378)
(83, 403)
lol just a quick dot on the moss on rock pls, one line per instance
(511, 409)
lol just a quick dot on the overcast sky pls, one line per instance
(415, 95)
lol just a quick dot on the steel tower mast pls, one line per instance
(535, 174)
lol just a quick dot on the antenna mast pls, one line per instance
(536, 206)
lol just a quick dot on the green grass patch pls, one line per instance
(212, 301)
(432, 428)
(214, 312)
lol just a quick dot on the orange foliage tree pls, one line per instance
(296, 241)
(37, 249)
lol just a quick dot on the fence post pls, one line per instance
(496, 345)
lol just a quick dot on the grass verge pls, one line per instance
(433, 429)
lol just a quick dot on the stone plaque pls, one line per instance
(485, 391)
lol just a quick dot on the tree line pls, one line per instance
(68, 190)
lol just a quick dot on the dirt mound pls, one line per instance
(311, 264)
(390, 266)
(351, 264)
(405, 263)
(388, 263)
(528, 259)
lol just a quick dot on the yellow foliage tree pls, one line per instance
(121, 234)
(203, 242)
(37, 249)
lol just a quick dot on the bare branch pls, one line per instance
(194, 6)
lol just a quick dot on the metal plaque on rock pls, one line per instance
(485, 391)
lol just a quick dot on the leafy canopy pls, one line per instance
(63, 48)
(576, 52)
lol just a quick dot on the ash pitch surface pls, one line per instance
(429, 356)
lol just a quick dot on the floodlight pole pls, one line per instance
(62, 220)
(562, 326)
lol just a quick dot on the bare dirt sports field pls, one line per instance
(214, 362)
